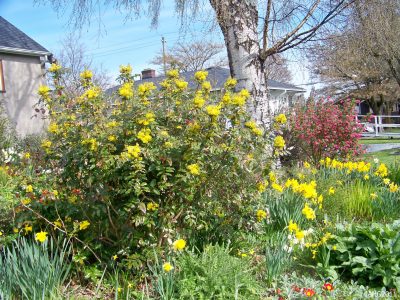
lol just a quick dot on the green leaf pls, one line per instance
(361, 260)
(396, 245)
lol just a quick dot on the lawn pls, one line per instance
(386, 156)
(370, 141)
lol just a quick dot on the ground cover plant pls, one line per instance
(176, 194)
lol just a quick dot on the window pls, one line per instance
(2, 86)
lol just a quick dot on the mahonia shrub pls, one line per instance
(326, 129)
(141, 167)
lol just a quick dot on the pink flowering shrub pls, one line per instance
(326, 129)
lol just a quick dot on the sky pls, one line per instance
(111, 39)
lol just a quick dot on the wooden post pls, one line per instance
(376, 125)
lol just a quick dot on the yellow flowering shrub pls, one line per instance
(139, 168)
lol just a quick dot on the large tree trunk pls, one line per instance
(238, 20)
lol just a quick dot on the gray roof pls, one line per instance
(217, 77)
(13, 40)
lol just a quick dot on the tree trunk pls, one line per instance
(238, 20)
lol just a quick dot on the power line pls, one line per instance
(130, 42)
(122, 49)
(125, 49)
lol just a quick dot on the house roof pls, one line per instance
(13, 40)
(217, 77)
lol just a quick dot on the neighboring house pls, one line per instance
(363, 108)
(22, 70)
(281, 94)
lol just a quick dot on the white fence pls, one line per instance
(380, 125)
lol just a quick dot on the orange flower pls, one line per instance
(328, 286)
(308, 292)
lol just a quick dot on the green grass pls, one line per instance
(372, 141)
(386, 156)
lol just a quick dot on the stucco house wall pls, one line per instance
(22, 77)
(23, 67)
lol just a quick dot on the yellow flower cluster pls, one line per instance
(261, 186)
(145, 135)
(198, 100)
(181, 85)
(29, 188)
(381, 171)
(261, 215)
(277, 187)
(206, 87)
(112, 124)
(125, 70)
(253, 126)
(325, 238)
(281, 119)
(126, 90)
(213, 110)
(54, 68)
(91, 93)
(194, 169)
(308, 190)
(172, 74)
(238, 100)
(361, 166)
(308, 212)
(86, 75)
(393, 188)
(44, 91)
(46, 144)
(294, 228)
(53, 128)
(200, 76)
(132, 152)
(145, 89)
(147, 119)
(152, 206)
(279, 142)
(92, 142)
(230, 83)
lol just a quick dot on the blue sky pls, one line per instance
(114, 40)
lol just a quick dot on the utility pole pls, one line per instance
(164, 58)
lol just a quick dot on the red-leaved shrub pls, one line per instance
(326, 129)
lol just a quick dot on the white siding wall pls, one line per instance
(281, 100)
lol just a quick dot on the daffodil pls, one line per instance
(261, 215)
(41, 236)
(83, 225)
(179, 245)
(167, 267)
